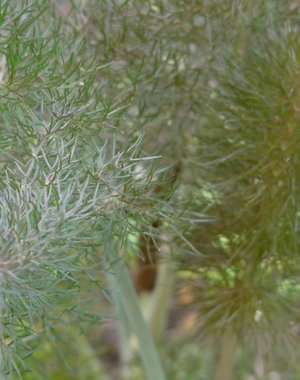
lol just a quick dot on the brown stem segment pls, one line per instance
(227, 356)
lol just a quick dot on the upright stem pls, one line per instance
(130, 306)
(124, 329)
(157, 313)
(227, 356)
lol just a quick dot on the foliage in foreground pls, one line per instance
(68, 182)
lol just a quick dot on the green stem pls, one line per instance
(147, 349)
(124, 330)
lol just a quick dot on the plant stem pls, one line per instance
(130, 306)
(124, 330)
(227, 355)
(157, 313)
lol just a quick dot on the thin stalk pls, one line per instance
(157, 312)
(124, 330)
(130, 306)
(227, 357)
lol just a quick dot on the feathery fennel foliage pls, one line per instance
(68, 182)
(249, 162)
(214, 84)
